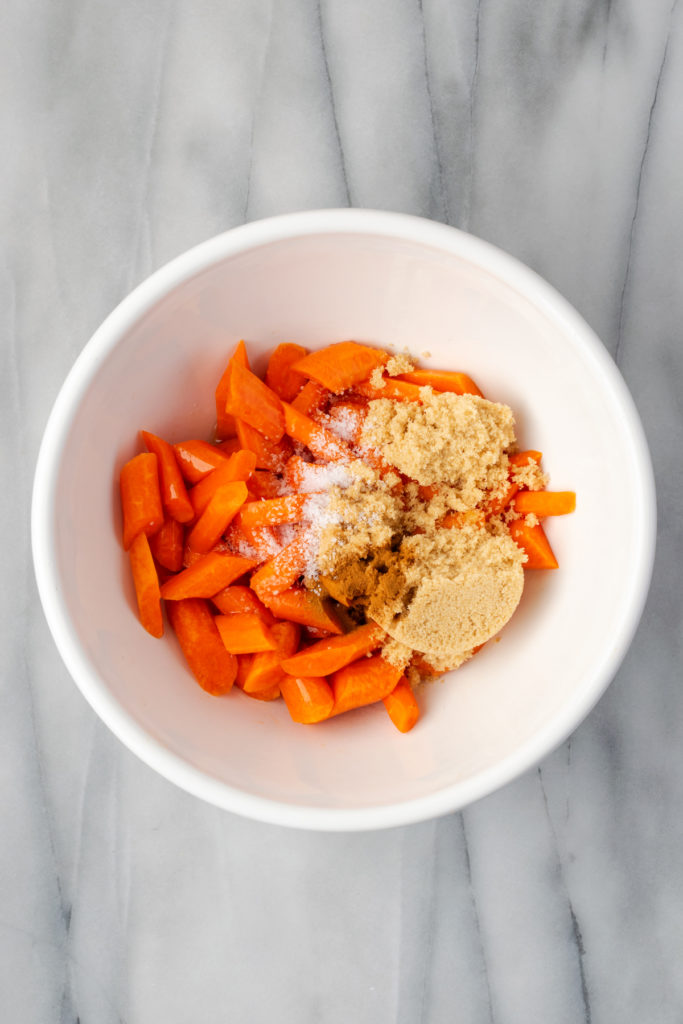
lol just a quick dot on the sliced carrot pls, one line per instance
(173, 491)
(209, 574)
(240, 466)
(499, 504)
(328, 656)
(308, 699)
(272, 693)
(282, 571)
(305, 607)
(243, 665)
(167, 545)
(225, 423)
(427, 491)
(457, 520)
(235, 599)
(545, 503)
(253, 402)
(280, 377)
(398, 390)
(346, 420)
(402, 707)
(198, 458)
(213, 667)
(311, 398)
(321, 441)
(261, 544)
(442, 380)
(265, 669)
(146, 584)
(533, 541)
(140, 497)
(305, 476)
(268, 456)
(217, 516)
(363, 682)
(245, 633)
(314, 634)
(524, 458)
(275, 511)
(340, 366)
(230, 446)
(264, 484)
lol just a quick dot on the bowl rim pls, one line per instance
(233, 242)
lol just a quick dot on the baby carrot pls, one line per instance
(363, 682)
(402, 707)
(198, 458)
(311, 398)
(533, 541)
(280, 377)
(240, 466)
(545, 503)
(342, 365)
(265, 669)
(236, 599)
(167, 545)
(173, 490)
(253, 402)
(274, 511)
(244, 633)
(306, 608)
(213, 667)
(322, 442)
(217, 516)
(268, 455)
(308, 699)
(205, 577)
(442, 380)
(146, 584)
(140, 498)
(225, 423)
(328, 656)
(281, 571)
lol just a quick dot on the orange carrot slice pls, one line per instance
(140, 498)
(243, 665)
(173, 491)
(308, 699)
(274, 511)
(533, 541)
(240, 466)
(198, 458)
(322, 442)
(457, 520)
(311, 398)
(398, 390)
(328, 656)
(442, 380)
(340, 366)
(236, 599)
(305, 607)
(225, 423)
(272, 693)
(524, 458)
(244, 633)
(268, 455)
(402, 707)
(498, 505)
(282, 571)
(205, 577)
(280, 377)
(213, 667)
(253, 402)
(363, 682)
(264, 484)
(545, 503)
(230, 446)
(167, 545)
(217, 516)
(346, 421)
(146, 584)
(265, 669)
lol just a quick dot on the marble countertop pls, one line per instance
(131, 132)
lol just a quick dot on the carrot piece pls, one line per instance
(533, 541)
(140, 498)
(456, 520)
(545, 503)
(274, 511)
(217, 516)
(173, 491)
(402, 707)
(167, 545)
(498, 505)
(308, 699)
(321, 441)
(209, 574)
(240, 466)
(235, 599)
(243, 665)
(305, 476)
(272, 693)
(265, 670)
(314, 634)
(306, 608)
(340, 366)
(524, 458)
(213, 667)
(328, 656)
(259, 543)
(346, 420)
(398, 390)
(253, 402)
(280, 377)
(198, 458)
(442, 380)
(268, 456)
(225, 423)
(230, 446)
(311, 398)
(363, 682)
(244, 633)
(146, 584)
(282, 571)
(264, 484)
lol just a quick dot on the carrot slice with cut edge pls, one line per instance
(402, 707)
(146, 582)
(321, 441)
(265, 669)
(281, 571)
(280, 377)
(240, 466)
(545, 503)
(290, 508)
(173, 490)
(524, 458)
(340, 366)
(213, 667)
(244, 633)
(217, 516)
(499, 504)
(442, 380)
(328, 656)
(236, 599)
(205, 577)
(264, 484)
(268, 456)
(140, 497)
(167, 545)
(533, 541)
(225, 423)
(398, 390)
(306, 608)
(198, 458)
(253, 402)
(311, 398)
(363, 682)
(308, 699)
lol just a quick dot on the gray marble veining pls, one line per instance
(132, 131)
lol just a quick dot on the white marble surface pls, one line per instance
(132, 131)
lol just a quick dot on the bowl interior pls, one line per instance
(391, 292)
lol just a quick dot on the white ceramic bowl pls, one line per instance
(386, 279)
